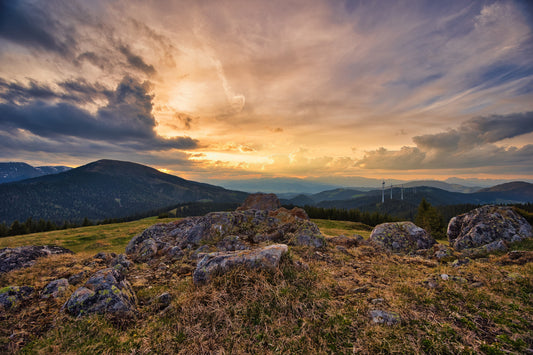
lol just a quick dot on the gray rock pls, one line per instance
(55, 288)
(20, 257)
(77, 278)
(122, 260)
(461, 262)
(401, 237)
(222, 262)
(232, 243)
(106, 292)
(486, 225)
(11, 296)
(385, 317)
(443, 253)
(260, 201)
(164, 300)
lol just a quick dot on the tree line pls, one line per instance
(179, 210)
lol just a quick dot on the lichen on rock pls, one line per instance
(485, 225)
(401, 237)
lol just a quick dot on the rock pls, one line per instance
(401, 237)
(483, 251)
(106, 292)
(486, 225)
(443, 253)
(105, 257)
(348, 242)
(384, 317)
(225, 231)
(221, 262)
(77, 278)
(445, 277)
(55, 288)
(10, 296)
(163, 300)
(231, 243)
(122, 259)
(260, 201)
(461, 262)
(19, 257)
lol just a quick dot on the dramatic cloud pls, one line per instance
(472, 145)
(126, 120)
(299, 87)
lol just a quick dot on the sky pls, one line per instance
(243, 89)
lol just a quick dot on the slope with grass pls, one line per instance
(103, 190)
(317, 301)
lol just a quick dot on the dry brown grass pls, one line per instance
(315, 302)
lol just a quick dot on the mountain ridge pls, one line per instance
(103, 189)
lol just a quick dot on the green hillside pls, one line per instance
(101, 190)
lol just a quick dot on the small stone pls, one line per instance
(384, 317)
(477, 284)
(461, 262)
(445, 277)
(363, 289)
(55, 288)
(164, 300)
(377, 301)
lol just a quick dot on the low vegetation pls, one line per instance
(317, 301)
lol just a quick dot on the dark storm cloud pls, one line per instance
(136, 61)
(74, 90)
(127, 119)
(27, 24)
(471, 145)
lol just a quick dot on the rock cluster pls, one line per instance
(225, 231)
(487, 225)
(106, 292)
(19, 257)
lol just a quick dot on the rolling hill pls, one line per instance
(103, 189)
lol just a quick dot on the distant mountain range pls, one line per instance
(10, 172)
(508, 193)
(103, 189)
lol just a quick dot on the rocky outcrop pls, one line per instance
(486, 225)
(225, 231)
(19, 257)
(106, 292)
(11, 296)
(401, 237)
(260, 201)
(221, 262)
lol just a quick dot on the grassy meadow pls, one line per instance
(317, 302)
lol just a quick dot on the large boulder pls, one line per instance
(486, 225)
(221, 262)
(237, 230)
(20, 257)
(401, 237)
(260, 201)
(106, 292)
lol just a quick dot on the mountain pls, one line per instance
(442, 185)
(517, 190)
(10, 172)
(276, 185)
(103, 189)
